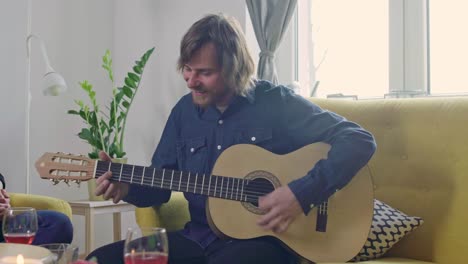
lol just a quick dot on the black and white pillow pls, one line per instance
(389, 225)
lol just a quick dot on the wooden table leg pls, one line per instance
(117, 226)
(89, 219)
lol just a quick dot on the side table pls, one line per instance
(89, 209)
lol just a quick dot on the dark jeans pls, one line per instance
(53, 227)
(184, 251)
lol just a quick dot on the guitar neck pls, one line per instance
(210, 185)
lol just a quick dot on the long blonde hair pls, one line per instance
(237, 66)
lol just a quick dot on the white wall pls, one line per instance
(76, 34)
(13, 71)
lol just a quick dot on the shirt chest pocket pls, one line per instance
(262, 137)
(192, 154)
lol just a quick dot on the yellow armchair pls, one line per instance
(40, 202)
(171, 216)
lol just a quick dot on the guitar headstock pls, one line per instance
(65, 167)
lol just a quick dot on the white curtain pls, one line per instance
(270, 20)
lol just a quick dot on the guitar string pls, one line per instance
(222, 192)
(260, 189)
(246, 193)
(126, 169)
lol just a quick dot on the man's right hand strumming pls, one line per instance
(109, 189)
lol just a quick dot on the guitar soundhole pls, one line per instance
(259, 184)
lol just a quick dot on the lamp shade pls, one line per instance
(53, 83)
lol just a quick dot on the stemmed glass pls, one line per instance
(146, 246)
(62, 253)
(20, 225)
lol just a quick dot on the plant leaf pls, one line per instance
(127, 91)
(118, 96)
(85, 134)
(125, 104)
(130, 83)
(107, 64)
(134, 77)
(93, 155)
(137, 69)
(86, 86)
(83, 115)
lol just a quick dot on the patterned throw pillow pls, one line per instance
(389, 225)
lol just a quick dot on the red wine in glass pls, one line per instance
(19, 238)
(20, 225)
(146, 246)
(146, 258)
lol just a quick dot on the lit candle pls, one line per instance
(19, 260)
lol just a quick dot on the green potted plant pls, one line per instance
(106, 131)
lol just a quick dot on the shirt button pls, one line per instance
(192, 150)
(253, 138)
(312, 206)
(220, 121)
(219, 146)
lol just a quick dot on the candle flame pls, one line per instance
(20, 259)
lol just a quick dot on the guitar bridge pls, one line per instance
(322, 216)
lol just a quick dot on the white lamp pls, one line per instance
(52, 83)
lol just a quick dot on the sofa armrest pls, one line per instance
(40, 202)
(172, 215)
(147, 217)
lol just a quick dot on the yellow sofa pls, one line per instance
(40, 202)
(420, 168)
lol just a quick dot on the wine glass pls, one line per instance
(20, 225)
(146, 246)
(62, 253)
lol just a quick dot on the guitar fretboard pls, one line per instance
(211, 185)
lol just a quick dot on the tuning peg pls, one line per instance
(55, 181)
(78, 182)
(66, 182)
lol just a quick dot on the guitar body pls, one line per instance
(350, 209)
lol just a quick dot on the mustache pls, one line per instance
(198, 89)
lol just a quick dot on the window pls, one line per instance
(347, 44)
(381, 48)
(448, 40)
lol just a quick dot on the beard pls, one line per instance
(204, 98)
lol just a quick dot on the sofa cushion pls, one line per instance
(389, 225)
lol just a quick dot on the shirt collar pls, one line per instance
(250, 95)
(213, 113)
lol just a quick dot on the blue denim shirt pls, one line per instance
(280, 121)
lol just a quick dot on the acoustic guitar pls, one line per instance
(333, 231)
